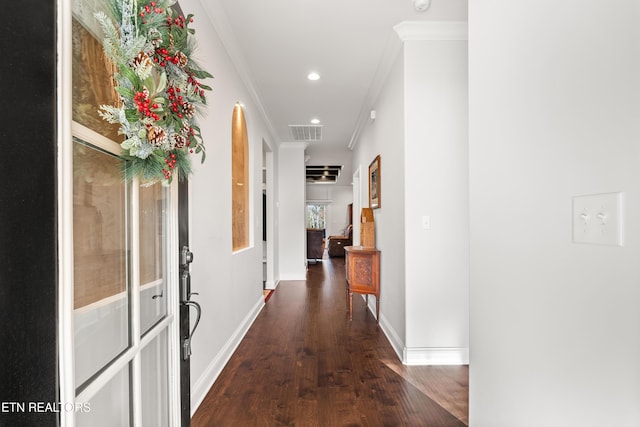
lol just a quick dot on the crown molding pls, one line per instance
(432, 30)
(406, 30)
(218, 18)
(389, 55)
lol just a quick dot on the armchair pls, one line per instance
(338, 243)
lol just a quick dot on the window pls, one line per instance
(239, 179)
(316, 216)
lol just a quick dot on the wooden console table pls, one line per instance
(363, 275)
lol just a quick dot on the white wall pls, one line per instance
(229, 284)
(385, 136)
(436, 186)
(554, 113)
(420, 132)
(292, 212)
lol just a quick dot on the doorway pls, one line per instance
(269, 220)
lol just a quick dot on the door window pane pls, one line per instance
(110, 407)
(155, 385)
(153, 294)
(101, 291)
(93, 83)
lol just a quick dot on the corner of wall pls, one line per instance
(394, 339)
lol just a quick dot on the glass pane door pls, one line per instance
(122, 313)
(119, 300)
(155, 383)
(110, 406)
(152, 229)
(101, 277)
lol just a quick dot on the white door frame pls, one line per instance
(357, 204)
(271, 216)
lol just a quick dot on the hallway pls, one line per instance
(303, 363)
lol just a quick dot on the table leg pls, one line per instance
(350, 305)
(347, 294)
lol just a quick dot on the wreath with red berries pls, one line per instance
(159, 86)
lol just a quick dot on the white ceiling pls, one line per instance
(276, 43)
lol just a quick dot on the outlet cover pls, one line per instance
(597, 219)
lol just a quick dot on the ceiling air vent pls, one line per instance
(306, 132)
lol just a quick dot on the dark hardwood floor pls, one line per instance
(303, 363)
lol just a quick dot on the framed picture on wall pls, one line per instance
(374, 183)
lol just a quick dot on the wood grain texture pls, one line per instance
(303, 363)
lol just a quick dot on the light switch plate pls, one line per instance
(597, 219)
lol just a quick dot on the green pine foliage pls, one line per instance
(159, 86)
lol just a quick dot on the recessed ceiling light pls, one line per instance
(313, 76)
(315, 121)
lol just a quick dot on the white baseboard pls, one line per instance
(392, 336)
(271, 284)
(293, 277)
(417, 356)
(435, 356)
(204, 383)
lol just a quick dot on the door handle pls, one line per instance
(186, 345)
(185, 286)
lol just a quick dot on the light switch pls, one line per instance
(597, 219)
(426, 222)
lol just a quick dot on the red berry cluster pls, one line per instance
(163, 56)
(171, 165)
(177, 101)
(196, 84)
(150, 8)
(191, 133)
(144, 105)
(180, 21)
